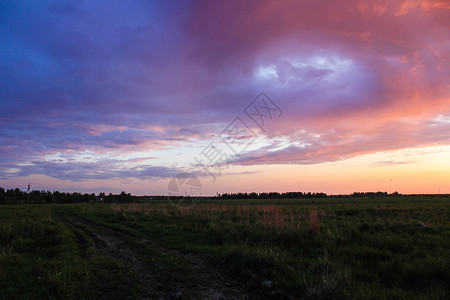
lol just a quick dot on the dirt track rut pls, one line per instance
(114, 243)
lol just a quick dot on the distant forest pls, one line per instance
(17, 196)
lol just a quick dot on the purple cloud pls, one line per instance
(84, 76)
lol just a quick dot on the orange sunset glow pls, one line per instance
(248, 96)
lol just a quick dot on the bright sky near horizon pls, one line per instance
(100, 96)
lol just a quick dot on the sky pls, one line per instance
(248, 96)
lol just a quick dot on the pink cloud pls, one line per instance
(355, 76)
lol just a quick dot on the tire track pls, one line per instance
(154, 284)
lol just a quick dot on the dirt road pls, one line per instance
(210, 281)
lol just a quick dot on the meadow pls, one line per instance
(394, 247)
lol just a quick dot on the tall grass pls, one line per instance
(373, 249)
(330, 248)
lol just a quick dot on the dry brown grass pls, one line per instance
(314, 222)
(270, 215)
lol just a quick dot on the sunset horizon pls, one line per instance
(225, 149)
(256, 96)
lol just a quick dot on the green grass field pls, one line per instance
(348, 248)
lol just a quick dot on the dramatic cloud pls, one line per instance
(134, 79)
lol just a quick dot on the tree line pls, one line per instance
(17, 196)
(272, 195)
(297, 195)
